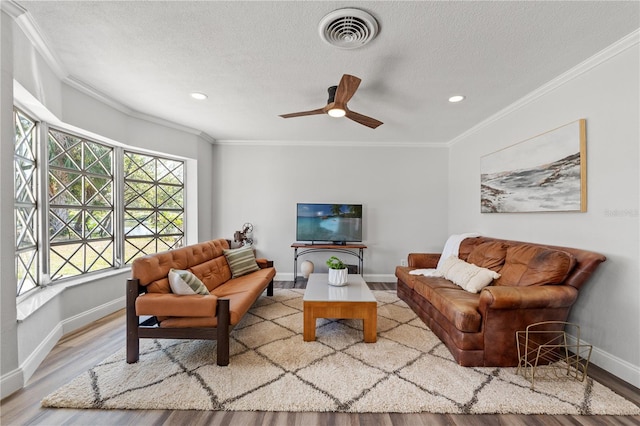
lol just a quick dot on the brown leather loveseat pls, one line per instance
(153, 311)
(537, 283)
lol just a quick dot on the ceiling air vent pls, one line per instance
(348, 28)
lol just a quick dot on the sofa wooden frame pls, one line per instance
(147, 327)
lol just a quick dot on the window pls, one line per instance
(81, 210)
(25, 205)
(153, 204)
(100, 205)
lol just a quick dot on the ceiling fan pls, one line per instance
(337, 104)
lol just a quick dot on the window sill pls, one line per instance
(32, 301)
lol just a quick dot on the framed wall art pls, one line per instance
(546, 173)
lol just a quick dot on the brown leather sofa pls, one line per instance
(153, 311)
(537, 283)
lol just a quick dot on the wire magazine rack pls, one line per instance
(547, 350)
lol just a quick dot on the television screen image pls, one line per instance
(336, 223)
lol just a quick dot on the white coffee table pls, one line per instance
(353, 300)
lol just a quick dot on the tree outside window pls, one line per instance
(153, 204)
(81, 210)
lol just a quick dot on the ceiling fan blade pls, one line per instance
(347, 87)
(303, 113)
(363, 119)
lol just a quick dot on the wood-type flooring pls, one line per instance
(82, 349)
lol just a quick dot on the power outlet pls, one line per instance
(403, 262)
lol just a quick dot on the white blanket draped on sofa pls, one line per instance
(451, 248)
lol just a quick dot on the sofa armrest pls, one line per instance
(264, 263)
(175, 305)
(534, 297)
(423, 260)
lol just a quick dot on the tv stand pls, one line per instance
(356, 250)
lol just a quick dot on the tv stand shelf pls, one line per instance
(356, 250)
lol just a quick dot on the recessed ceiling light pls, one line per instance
(456, 98)
(199, 96)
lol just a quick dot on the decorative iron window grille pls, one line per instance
(153, 204)
(25, 202)
(101, 206)
(81, 209)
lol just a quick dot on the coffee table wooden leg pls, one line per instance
(309, 326)
(370, 325)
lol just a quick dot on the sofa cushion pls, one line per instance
(185, 283)
(152, 270)
(459, 307)
(490, 255)
(470, 277)
(243, 291)
(175, 305)
(425, 286)
(242, 261)
(528, 264)
(402, 272)
(213, 272)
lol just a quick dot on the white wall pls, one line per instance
(413, 198)
(24, 345)
(403, 191)
(607, 96)
(10, 373)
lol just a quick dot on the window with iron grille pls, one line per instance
(103, 206)
(25, 202)
(153, 204)
(81, 207)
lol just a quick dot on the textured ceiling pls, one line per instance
(257, 60)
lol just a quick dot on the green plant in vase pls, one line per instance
(338, 273)
(335, 263)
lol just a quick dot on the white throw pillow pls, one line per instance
(184, 282)
(467, 275)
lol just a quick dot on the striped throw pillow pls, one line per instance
(242, 261)
(184, 282)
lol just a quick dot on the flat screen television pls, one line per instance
(335, 223)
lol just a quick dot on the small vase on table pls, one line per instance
(338, 272)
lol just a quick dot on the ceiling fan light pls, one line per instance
(336, 112)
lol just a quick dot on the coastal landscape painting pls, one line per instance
(546, 173)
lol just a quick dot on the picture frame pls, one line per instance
(546, 173)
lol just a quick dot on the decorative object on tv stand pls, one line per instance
(244, 237)
(306, 268)
(338, 271)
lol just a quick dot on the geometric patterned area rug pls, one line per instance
(271, 368)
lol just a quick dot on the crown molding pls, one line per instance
(333, 143)
(12, 8)
(604, 55)
(31, 29)
(100, 96)
(96, 94)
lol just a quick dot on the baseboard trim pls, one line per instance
(380, 278)
(11, 382)
(75, 322)
(36, 357)
(620, 368)
(31, 363)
